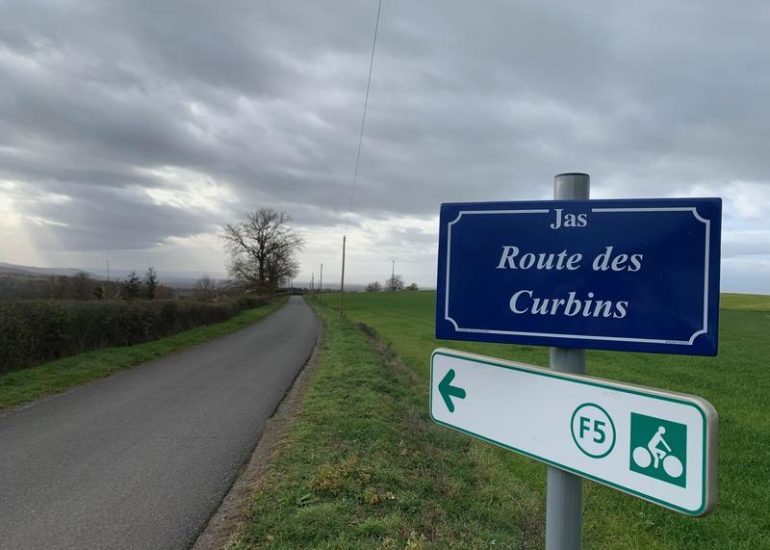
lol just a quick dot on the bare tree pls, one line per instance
(77, 287)
(150, 283)
(394, 283)
(131, 287)
(81, 286)
(263, 250)
(374, 287)
(205, 289)
(99, 292)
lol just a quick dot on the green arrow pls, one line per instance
(447, 390)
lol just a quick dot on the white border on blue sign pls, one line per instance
(691, 209)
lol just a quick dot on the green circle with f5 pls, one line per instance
(593, 430)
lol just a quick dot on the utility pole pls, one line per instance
(312, 282)
(321, 282)
(342, 281)
(392, 274)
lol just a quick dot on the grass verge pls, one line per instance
(19, 387)
(363, 467)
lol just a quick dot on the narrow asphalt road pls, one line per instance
(141, 460)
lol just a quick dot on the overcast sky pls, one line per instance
(131, 131)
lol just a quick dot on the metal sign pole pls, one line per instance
(564, 493)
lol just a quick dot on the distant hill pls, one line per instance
(176, 279)
(11, 269)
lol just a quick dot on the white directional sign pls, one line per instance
(654, 444)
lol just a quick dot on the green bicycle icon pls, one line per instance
(658, 456)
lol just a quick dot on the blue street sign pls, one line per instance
(634, 275)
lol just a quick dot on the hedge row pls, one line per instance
(33, 332)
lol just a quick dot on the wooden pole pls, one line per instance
(342, 282)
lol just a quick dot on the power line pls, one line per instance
(358, 153)
(366, 106)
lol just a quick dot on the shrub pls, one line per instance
(32, 332)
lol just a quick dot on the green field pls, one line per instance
(363, 466)
(753, 302)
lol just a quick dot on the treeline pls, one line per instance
(36, 331)
(393, 283)
(82, 287)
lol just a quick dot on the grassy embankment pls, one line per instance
(22, 386)
(364, 467)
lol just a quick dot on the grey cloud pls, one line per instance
(103, 219)
(481, 101)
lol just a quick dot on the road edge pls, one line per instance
(231, 514)
(96, 378)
